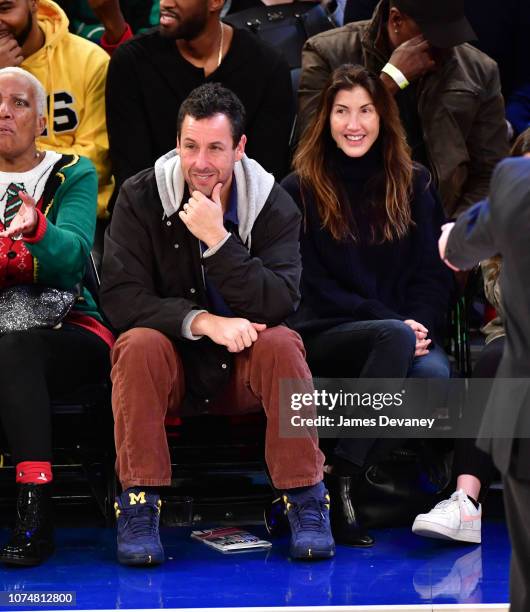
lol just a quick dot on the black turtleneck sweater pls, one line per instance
(355, 281)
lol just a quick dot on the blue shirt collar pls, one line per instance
(231, 212)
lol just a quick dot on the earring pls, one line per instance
(396, 31)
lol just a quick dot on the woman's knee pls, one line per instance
(397, 334)
(433, 365)
(21, 350)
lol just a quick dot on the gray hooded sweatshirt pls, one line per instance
(254, 185)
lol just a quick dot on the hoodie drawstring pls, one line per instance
(51, 103)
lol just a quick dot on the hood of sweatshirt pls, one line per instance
(52, 21)
(254, 185)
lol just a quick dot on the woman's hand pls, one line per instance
(422, 342)
(26, 219)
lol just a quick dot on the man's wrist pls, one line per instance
(389, 83)
(216, 239)
(115, 28)
(185, 328)
(200, 324)
(395, 75)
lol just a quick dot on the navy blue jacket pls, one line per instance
(403, 279)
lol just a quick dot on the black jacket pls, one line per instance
(148, 80)
(403, 279)
(153, 275)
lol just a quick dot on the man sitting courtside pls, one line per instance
(201, 266)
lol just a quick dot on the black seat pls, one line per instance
(83, 434)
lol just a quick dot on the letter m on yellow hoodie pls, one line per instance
(73, 72)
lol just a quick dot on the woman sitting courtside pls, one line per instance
(47, 223)
(374, 292)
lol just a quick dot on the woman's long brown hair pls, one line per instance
(313, 160)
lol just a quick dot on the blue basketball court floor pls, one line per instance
(401, 572)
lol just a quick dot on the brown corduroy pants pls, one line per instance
(148, 384)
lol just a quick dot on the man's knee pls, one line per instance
(141, 344)
(279, 341)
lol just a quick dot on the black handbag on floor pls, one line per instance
(411, 480)
(24, 307)
(286, 26)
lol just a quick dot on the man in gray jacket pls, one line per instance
(201, 267)
(501, 225)
(448, 92)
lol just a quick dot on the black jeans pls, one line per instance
(364, 349)
(35, 365)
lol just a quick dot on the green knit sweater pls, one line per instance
(62, 243)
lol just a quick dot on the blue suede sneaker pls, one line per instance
(137, 516)
(308, 514)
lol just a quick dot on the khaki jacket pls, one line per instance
(460, 106)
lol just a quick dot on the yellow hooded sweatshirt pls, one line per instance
(73, 72)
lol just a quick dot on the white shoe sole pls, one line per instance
(440, 532)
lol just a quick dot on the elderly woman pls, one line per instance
(47, 223)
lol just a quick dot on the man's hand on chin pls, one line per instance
(235, 333)
(203, 216)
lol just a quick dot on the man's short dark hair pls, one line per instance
(213, 99)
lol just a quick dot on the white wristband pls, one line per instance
(396, 75)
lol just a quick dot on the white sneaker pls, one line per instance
(455, 518)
